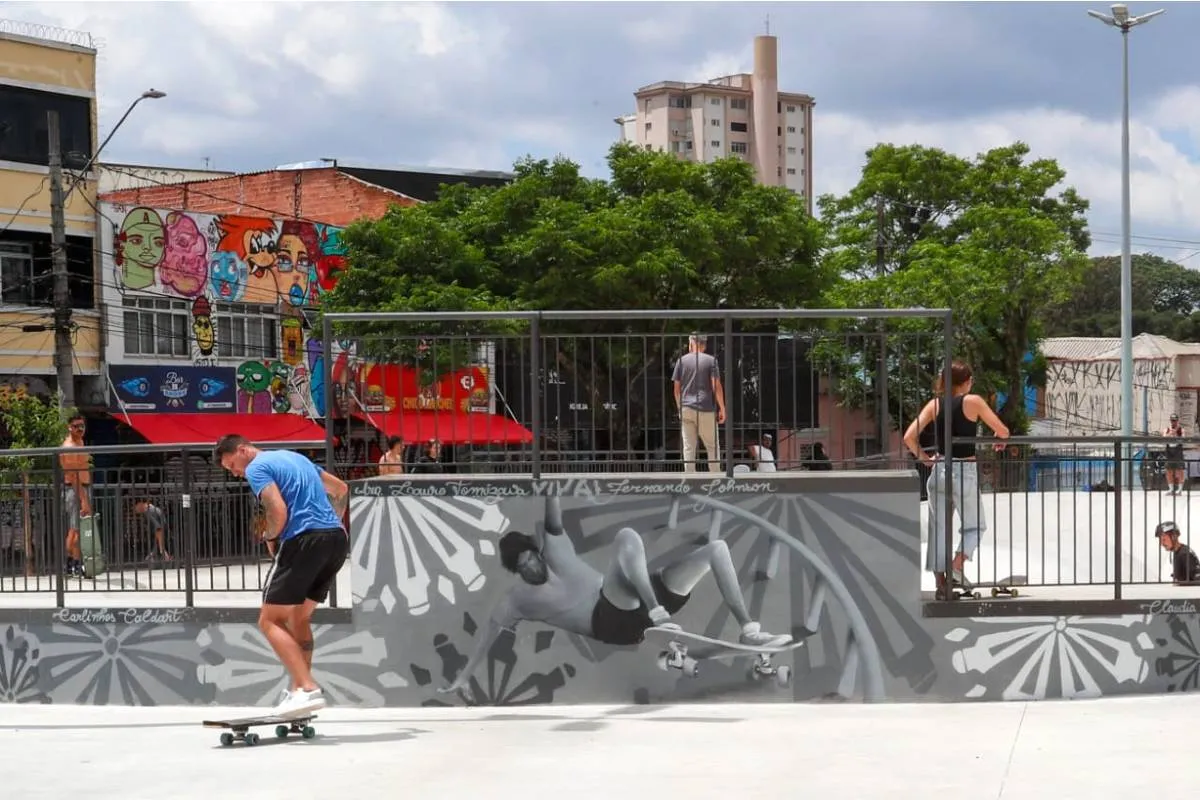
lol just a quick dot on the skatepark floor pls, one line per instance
(1055, 749)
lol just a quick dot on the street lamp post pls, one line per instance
(1121, 20)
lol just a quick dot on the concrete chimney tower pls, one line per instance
(764, 83)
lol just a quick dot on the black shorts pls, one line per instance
(305, 567)
(613, 625)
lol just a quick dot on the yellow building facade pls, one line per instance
(41, 70)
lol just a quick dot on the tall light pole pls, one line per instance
(63, 355)
(1121, 20)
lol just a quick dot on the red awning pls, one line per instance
(448, 427)
(206, 429)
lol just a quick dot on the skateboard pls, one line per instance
(679, 656)
(283, 727)
(1008, 586)
(1004, 586)
(89, 546)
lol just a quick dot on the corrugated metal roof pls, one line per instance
(1146, 346)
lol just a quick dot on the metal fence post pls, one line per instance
(57, 537)
(729, 409)
(189, 534)
(947, 439)
(1119, 508)
(327, 369)
(535, 390)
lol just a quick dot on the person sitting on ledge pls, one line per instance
(1185, 567)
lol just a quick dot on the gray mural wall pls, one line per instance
(831, 560)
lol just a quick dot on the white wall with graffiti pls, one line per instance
(1084, 397)
(215, 312)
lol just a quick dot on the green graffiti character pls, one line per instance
(140, 247)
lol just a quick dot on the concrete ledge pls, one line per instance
(128, 615)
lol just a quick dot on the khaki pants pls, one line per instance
(700, 425)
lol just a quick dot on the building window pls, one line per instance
(24, 131)
(715, 143)
(738, 147)
(738, 127)
(648, 127)
(791, 170)
(791, 109)
(247, 331)
(716, 101)
(791, 151)
(156, 327)
(687, 145)
(791, 128)
(16, 274)
(716, 123)
(738, 103)
(679, 101)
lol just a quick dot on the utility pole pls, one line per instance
(881, 374)
(63, 357)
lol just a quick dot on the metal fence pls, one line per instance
(207, 547)
(556, 391)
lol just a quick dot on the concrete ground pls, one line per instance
(1121, 747)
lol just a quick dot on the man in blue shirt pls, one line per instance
(304, 506)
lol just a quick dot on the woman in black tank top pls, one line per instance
(966, 412)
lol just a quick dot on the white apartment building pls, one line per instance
(740, 115)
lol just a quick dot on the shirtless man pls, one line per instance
(560, 589)
(77, 491)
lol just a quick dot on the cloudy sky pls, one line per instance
(471, 85)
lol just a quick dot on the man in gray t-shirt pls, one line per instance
(156, 520)
(700, 399)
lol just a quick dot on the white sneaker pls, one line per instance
(660, 618)
(300, 703)
(755, 636)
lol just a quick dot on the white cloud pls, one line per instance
(1164, 182)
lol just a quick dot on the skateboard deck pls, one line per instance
(90, 547)
(283, 727)
(1004, 586)
(680, 654)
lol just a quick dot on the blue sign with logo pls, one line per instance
(159, 389)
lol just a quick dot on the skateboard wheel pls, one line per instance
(662, 662)
(783, 676)
(281, 731)
(308, 732)
(251, 739)
(226, 739)
(1014, 593)
(691, 667)
(976, 595)
(995, 592)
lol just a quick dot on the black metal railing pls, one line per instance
(208, 545)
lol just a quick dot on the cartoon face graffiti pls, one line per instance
(185, 264)
(280, 373)
(202, 326)
(227, 276)
(294, 257)
(292, 339)
(139, 248)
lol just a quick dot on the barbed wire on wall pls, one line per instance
(49, 33)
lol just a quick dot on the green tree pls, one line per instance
(663, 233)
(1165, 299)
(27, 422)
(991, 238)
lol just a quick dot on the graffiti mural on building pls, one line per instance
(1085, 396)
(246, 282)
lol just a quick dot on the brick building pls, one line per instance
(210, 290)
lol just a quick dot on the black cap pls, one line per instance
(1165, 528)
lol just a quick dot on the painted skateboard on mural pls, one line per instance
(90, 549)
(679, 655)
(283, 727)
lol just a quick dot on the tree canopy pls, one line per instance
(993, 238)
(663, 233)
(1165, 300)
